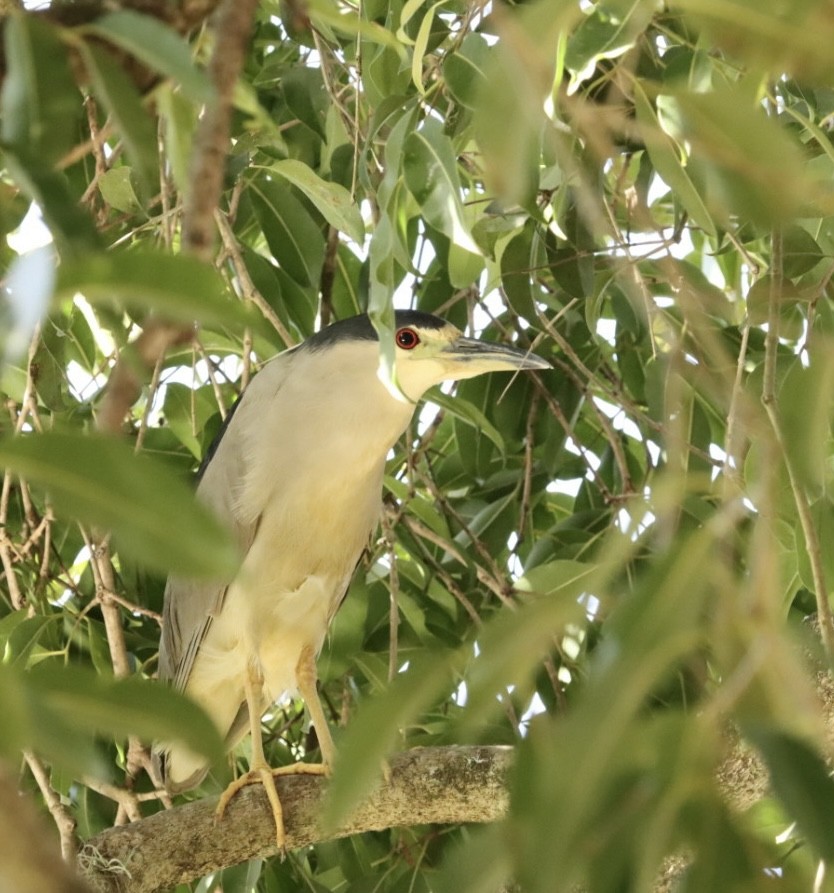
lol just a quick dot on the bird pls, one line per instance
(296, 475)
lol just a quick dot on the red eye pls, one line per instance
(407, 339)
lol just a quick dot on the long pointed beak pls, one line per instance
(475, 357)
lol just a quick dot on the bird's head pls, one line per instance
(430, 350)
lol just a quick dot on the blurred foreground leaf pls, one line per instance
(58, 710)
(178, 286)
(801, 780)
(373, 732)
(155, 44)
(101, 481)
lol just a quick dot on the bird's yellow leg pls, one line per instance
(260, 772)
(306, 677)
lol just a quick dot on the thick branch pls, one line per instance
(427, 785)
(233, 26)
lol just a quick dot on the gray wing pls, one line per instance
(190, 605)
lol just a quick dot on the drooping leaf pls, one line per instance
(293, 237)
(801, 780)
(117, 190)
(306, 98)
(116, 92)
(430, 172)
(56, 710)
(794, 38)
(121, 707)
(752, 166)
(178, 286)
(70, 225)
(465, 70)
(179, 118)
(155, 44)
(469, 413)
(668, 162)
(509, 109)
(331, 199)
(373, 733)
(39, 100)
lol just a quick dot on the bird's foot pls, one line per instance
(266, 775)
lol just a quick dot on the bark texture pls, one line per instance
(427, 786)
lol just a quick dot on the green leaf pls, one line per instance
(347, 21)
(605, 35)
(39, 104)
(306, 98)
(667, 160)
(157, 45)
(293, 237)
(179, 118)
(509, 114)
(801, 252)
(178, 286)
(120, 707)
(100, 480)
(186, 412)
(801, 780)
(117, 190)
(56, 710)
(463, 266)
(431, 175)
(822, 513)
(804, 403)
(467, 412)
(752, 166)
(116, 92)
(465, 70)
(20, 634)
(70, 225)
(795, 38)
(331, 199)
(562, 576)
(420, 45)
(513, 644)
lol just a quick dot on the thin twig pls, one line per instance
(63, 818)
(393, 594)
(527, 480)
(731, 471)
(152, 390)
(249, 291)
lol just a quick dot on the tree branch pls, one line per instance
(427, 785)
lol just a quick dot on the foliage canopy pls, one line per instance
(605, 565)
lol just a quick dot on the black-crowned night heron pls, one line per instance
(297, 474)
